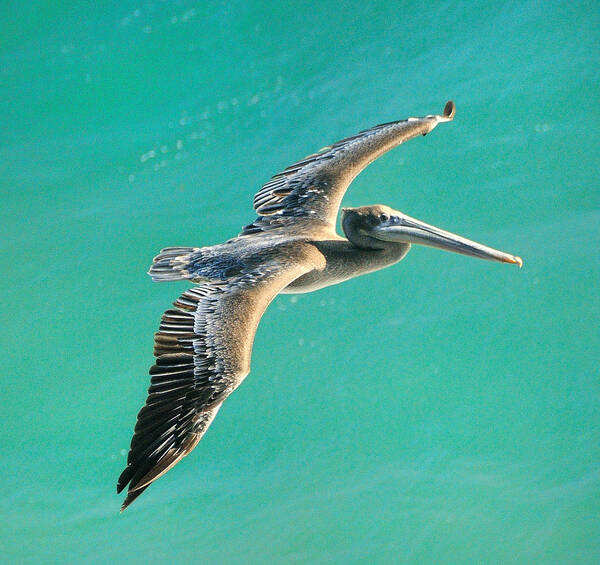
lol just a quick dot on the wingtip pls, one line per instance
(449, 110)
(124, 505)
(131, 496)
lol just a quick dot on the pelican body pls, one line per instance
(204, 343)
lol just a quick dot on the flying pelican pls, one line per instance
(204, 343)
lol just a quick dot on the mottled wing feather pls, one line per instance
(202, 350)
(313, 187)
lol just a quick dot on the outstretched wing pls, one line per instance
(202, 350)
(313, 187)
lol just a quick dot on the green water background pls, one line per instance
(444, 410)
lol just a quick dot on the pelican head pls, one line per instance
(375, 227)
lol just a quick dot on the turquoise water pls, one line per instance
(445, 410)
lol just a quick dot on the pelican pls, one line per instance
(204, 344)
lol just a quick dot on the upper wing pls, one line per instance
(313, 187)
(203, 350)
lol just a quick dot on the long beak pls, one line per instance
(410, 230)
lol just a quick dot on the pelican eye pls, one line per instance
(383, 218)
